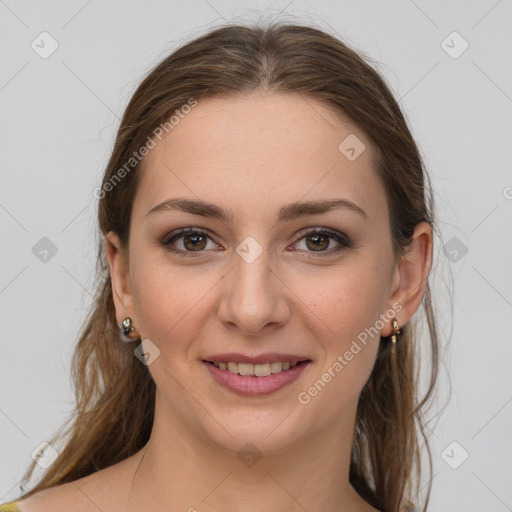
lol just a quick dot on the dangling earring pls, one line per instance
(394, 335)
(126, 329)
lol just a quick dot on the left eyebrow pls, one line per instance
(286, 213)
(296, 210)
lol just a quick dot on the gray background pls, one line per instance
(57, 124)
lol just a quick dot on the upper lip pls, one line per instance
(261, 358)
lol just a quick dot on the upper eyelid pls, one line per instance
(178, 233)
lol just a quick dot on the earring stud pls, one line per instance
(126, 329)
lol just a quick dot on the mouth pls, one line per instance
(257, 369)
(256, 376)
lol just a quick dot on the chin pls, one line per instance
(256, 430)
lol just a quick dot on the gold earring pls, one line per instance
(394, 335)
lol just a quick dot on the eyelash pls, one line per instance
(342, 239)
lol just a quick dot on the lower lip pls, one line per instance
(256, 386)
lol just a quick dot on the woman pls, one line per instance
(266, 241)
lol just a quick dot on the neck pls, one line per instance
(181, 470)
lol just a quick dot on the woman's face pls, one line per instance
(260, 281)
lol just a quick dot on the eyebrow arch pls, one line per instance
(286, 213)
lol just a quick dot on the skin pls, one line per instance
(252, 155)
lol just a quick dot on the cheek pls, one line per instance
(350, 299)
(348, 305)
(166, 300)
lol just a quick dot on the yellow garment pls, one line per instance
(12, 506)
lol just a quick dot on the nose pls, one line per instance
(254, 298)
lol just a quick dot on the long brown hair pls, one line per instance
(115, 393)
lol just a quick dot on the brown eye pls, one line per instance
(187, 241)
(194, 242)
(318, 240)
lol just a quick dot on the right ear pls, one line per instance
(120, 276)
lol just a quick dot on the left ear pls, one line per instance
(410, 279)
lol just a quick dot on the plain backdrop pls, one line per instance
(448, 64)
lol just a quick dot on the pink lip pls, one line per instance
(255, 386)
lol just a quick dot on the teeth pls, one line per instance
(276, 367)
(246, 369)
(255, 370)
(262, 370)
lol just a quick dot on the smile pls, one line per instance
(255, 379)
(255, 370)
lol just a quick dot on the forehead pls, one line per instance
(248, 153)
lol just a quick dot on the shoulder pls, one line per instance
(82, 495)
(60, 497)
(104, 490)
